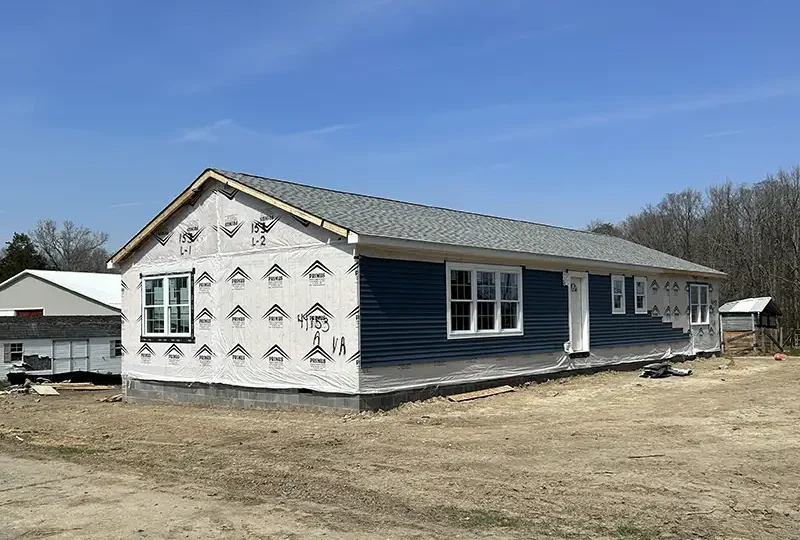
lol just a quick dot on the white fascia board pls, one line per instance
(447, 251)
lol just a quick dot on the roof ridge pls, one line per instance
(378, 197)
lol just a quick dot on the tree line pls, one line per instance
(51, 246)
(749, 231)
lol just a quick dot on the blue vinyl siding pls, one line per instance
(607, 330)
(404, 315)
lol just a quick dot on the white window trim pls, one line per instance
(473, 332)
(636, 309)
(620, 311)
(708, 303)
(167, 333)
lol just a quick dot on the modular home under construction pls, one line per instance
(249, 291)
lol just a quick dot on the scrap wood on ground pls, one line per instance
(466, 396)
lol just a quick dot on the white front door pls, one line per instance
(578, 314)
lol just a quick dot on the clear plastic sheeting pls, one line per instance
(274, 299)
(403, 377)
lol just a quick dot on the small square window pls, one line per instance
(12, 352)
(167, 306)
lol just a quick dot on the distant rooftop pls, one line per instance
(103, 288)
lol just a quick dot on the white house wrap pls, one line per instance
(274, 300)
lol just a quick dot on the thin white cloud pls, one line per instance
(126, 204)
(273, 50)
(723, 133)
(208, 133)
(326, 130)
(652, 110)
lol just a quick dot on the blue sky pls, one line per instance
(558, 112)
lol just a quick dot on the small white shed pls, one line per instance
(750, 322)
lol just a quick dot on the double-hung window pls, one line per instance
(483, 300)
(698, 303)
(618, 295)
(12, 352)
(115, 348)
(167, 306)
(640, 295)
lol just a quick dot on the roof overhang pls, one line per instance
(192, 191)
(516, 257)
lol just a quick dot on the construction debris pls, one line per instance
(44, 390)
(82, 386)
(51, 389)
(480, 393)
(662, 369)
(112, 399)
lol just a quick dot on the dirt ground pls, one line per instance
(610, 455)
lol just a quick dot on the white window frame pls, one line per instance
(7, 352)
(166, 305)
(616, 311)
(113, 348)
(636, 309)
(699, 304)
(473, 332)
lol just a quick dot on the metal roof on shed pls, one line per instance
(749, 305)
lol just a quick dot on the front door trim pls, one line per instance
(584, 277)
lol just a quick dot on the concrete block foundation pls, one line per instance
(142, 391)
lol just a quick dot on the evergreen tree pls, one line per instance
(18, 255)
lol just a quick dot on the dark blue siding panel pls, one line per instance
(607, 330)
(404, 315)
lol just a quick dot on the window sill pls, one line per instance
(166, 339)
(618, 313)
(473, 335)
(640, 312)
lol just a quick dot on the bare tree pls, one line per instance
(71, 247)
(604, 227)
(751, 232)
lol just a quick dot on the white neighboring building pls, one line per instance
(50, 292)
(61, 322)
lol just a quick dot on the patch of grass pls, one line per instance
(632, 532)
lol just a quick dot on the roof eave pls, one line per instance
(193, 189)
(468, 251)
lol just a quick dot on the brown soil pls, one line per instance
(714, 455)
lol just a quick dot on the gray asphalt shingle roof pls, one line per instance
(61, 327)
(375, 216)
